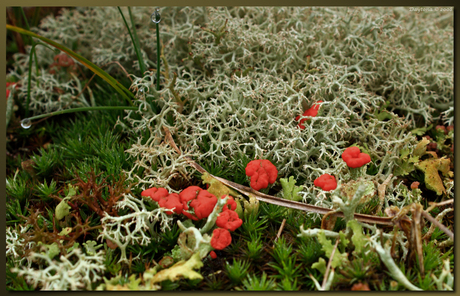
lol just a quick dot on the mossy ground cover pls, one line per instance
(234, 83)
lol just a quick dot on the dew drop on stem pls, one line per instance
(156, 17)
(26, 123)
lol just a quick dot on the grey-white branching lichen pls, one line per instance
(236, 81)
(136, 227)
(74, 271)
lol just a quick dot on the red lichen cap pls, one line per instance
(155, 193)
(186, 196)
(229, 220)
(199, 200)
(189, 193)
(230, 205)
(171, 201)
(262, 172)
(213, 254)
(313, 111)
(326, 182)
(203, 204)
(354, 158)
(221, 238)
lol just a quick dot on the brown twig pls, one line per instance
(438, 224)
(439, 204)
(124, 70)
(86, 85)
(381, 192)
(280, 230)
(416, 234)
(326, 274)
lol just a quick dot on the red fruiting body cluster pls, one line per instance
(354, 158)
(313, 111)
(155, 193)
(196, 204)
(171, 201)
(230, 205)
(200, 200)
(62, 60)
(262, 172)
(229, 220)
(326, 182)
(221, 238)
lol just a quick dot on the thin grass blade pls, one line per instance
(101, 73)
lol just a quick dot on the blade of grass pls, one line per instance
(81, 109)
(134, 38)
(157, 25)
(32, 57)
(101, 73)
(32, 54)
(156, 18)
(136, 42)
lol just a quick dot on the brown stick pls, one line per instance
(280, 230)
(438, 224)
(326, 274)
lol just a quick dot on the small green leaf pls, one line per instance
(216, 187)
(320, 265)
(51, 250)
(65, 231)
(421, 131)
(384, 115)
(327, 247)
(75, 245)
(290, 190)
(343, 239)
(180, 269)
(430, 168)
(91, 248)
(420, 149)
(358, 238)
(62, 210)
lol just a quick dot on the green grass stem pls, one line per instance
(101, 73)
(134, 38)
(81, 109)
(157, 25)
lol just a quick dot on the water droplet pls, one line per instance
(26, 123)
(141, 91)
(156, 17)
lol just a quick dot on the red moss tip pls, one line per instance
(221, 238)
(313, 111)
(229, 220)
(354, 158)
(326, 182)
(262, 172)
